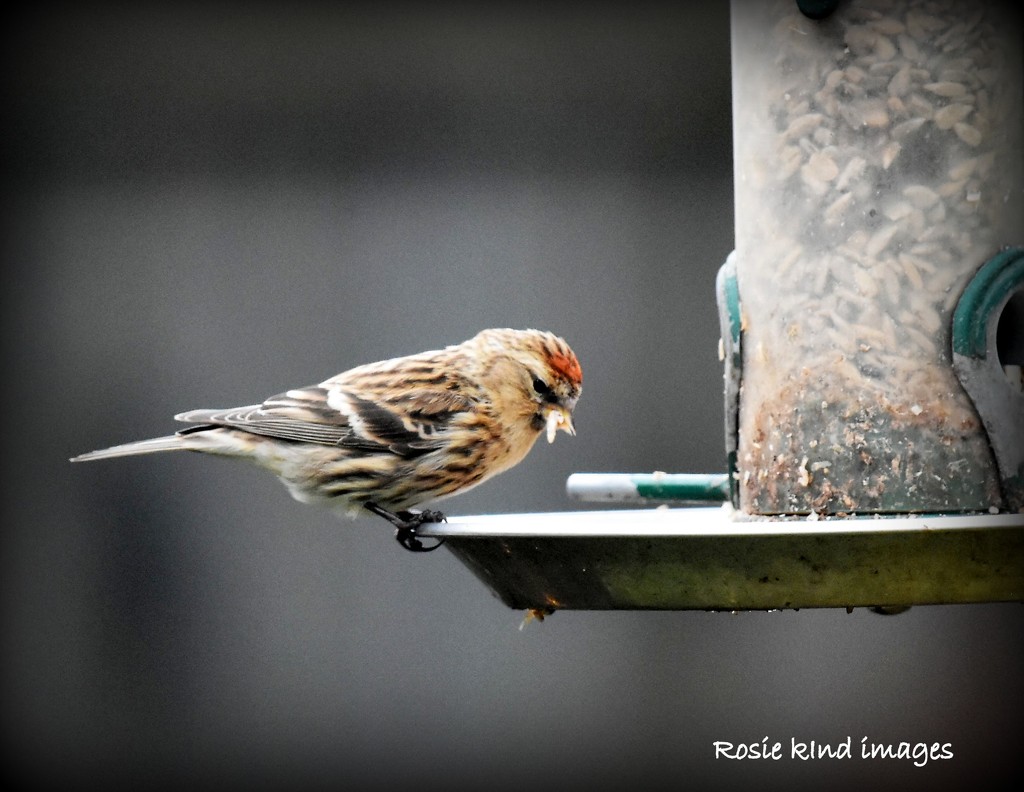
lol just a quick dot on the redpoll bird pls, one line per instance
(388, 436)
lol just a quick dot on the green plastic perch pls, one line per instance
(649, 487)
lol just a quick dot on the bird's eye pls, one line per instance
(541, 387)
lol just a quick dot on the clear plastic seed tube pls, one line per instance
(878, 165)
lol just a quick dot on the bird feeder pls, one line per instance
(877, 167)
(872, 338)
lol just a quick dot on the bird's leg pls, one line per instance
(406, 523)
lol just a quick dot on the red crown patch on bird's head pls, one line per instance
(555, 352)
(567, 366)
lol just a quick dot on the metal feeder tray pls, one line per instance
(712, 558)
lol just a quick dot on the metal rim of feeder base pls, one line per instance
(708, 559)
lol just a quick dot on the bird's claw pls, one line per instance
(406, 532)
(406, 524)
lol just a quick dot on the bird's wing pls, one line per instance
(301, 415)
(409, 422)
(336, 412)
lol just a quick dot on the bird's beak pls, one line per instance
(559, 418)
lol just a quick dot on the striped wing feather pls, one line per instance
(408, 425)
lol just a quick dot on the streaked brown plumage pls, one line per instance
(392, 435)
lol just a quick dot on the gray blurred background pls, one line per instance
(203, 207)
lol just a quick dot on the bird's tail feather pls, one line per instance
(152, 446)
